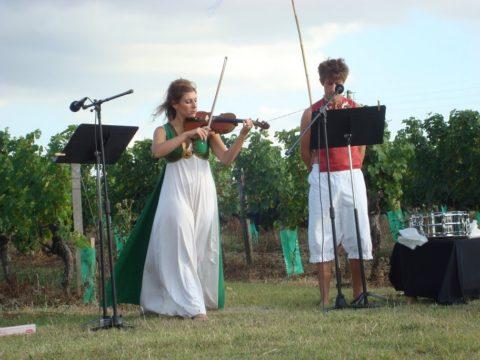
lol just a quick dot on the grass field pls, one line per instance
(275, 319)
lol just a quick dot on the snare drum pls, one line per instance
(455, 223)
(451, 223)
(433, 224)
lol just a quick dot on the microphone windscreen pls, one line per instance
(77, 105)
(74, 106)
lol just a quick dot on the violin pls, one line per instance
(222, 124)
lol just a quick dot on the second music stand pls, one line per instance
(355, 127)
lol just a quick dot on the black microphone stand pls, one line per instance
(116, 320)
(321, 113)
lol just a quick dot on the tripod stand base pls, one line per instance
(340, 302)
(361, 302)
(110, 322)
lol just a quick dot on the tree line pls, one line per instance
(429, 163)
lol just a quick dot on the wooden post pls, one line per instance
(245, 222)
(77, 220)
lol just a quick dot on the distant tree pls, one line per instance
(293, 209)
(134, 176)
(264, 175)
(36, 198)
(417, 182)
(384, 168)
(7, 201)
(57, 219)
(460, 152)
(444, 167)
(226, 185)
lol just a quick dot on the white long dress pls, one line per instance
(181, 271)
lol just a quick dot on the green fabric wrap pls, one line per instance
(253, 233)
(221, 279)
(291, 251)
(87, 258)
(396, 221)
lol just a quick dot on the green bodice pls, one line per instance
(199, 147)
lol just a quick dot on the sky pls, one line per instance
(415, 57)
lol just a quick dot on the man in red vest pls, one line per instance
(320, 238)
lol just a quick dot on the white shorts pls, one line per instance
(321, 248)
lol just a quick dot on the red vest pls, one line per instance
(338, 156)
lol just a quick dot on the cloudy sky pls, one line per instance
(416, 57)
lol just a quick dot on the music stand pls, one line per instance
(100, 145)
(80, 149)
(365, 124)
(357, 126)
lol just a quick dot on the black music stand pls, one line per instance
(365, 125)
(346, 127)
(80, 149)
(100, 145)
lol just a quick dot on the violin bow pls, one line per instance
(216, 92)
(303, 54)
(289, 151)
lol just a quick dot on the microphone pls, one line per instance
(77, 105)
(338, 89)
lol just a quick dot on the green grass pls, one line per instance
(261, 320)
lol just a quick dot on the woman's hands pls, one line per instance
(247, 125)
(197, 133)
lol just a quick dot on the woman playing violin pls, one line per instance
(176, 240)
(181, 104)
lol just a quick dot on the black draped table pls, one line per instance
(444, 269)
